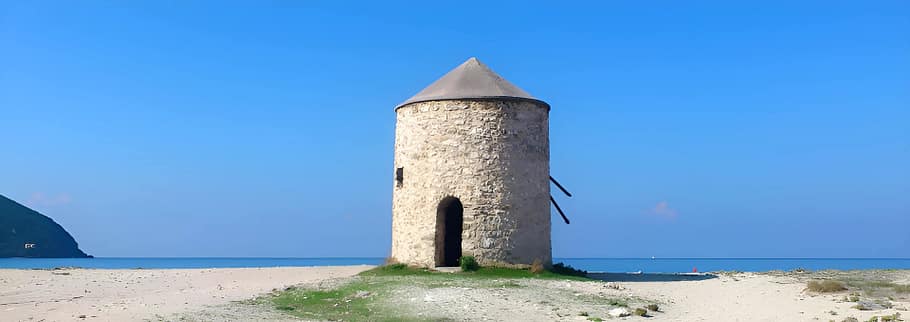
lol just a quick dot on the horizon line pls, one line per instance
(371, 257)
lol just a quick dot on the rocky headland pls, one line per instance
(27, 233)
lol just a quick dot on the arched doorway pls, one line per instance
(449, 219)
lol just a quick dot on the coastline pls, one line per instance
(611, 265)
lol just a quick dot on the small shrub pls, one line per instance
(640, 312)
(563, 269)
(826, 286)
(850, 319)
(886, 318)
(618, 302)
(890, 318)
(595, 319)
(583, 314)
(284, 308)
(653, 307)
(468, 264)
(862, 307)
(537, 267)
(854, 297)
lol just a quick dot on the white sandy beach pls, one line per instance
(155, 294)
(140, 294)
(751, 297)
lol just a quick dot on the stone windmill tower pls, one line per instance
(472, 156)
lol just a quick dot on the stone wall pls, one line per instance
(491, 154)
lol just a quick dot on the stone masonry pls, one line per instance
(493, 155)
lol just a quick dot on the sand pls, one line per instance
(207, 295)
(728, 297)
(750, 297)
(141, 294)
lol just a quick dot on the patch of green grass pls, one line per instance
(640, 312)
(826, 286)
(365, 298)
(323, 304)
(355, 301)
(482, 272)
(396, 270)
(595, 319)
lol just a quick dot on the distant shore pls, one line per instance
(224, 294)
(614, 265)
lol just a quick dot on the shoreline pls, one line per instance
(611, 265)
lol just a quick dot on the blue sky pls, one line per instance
(710, 129)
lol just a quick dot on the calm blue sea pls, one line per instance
(615, 265)
(681, 265)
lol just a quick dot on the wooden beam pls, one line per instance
(560, 187)
(559, 210)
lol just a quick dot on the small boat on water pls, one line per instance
(634, 273)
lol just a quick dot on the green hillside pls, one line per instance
(27, 233)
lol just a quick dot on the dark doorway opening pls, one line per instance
(449, 220)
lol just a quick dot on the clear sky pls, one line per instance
(265, 128)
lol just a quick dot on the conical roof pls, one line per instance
(471, 79)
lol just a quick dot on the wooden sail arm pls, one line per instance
(564, 218)
(560, 187)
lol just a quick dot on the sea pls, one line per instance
(609, 265)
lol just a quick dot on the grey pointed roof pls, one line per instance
(471, 79)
